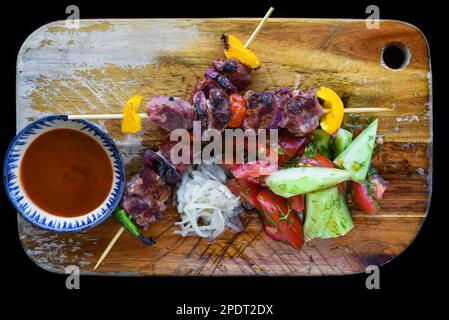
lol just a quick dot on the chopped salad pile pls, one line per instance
(309, 195)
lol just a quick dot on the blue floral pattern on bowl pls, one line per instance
(28, 209)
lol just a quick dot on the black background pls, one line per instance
(412, 276)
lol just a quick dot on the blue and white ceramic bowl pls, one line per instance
(36, 215)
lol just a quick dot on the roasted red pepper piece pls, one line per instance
(280, 221)
(238, 110)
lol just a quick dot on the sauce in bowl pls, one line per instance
(66, 173)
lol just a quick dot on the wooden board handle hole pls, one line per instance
(395, 56)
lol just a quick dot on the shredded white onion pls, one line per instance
(205, 204)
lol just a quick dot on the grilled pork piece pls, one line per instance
(205, 86)
(162, 166)
(220, 79)
(227, 74)
(235, 71)
(220, 108)
(171, 113)
(203, 113)
(261, 109)
(297, 111)
(167, 145)
(281, 96)
(302, 113)
(284, 93)
(145, 197)
(146, 192)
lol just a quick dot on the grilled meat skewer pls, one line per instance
(297, 111)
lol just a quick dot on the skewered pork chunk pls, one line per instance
(284, 93)
(171, 113)
(281, 96)
(297, 111)
(220, 79)
(205, 86)
(261, 109)
(165, 149)
(237, 73)
(145, 197)
(228, 74)
(302, 113)
(203, 112)
(220, 107)
(162, 166)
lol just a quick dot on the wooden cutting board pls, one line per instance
(96, 68)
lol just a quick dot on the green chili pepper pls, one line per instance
(121, 216)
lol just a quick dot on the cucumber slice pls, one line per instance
(342, 140)
(357, 156)
(327, 215)
(323, 142)
(292, 181)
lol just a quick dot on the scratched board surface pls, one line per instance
(96, 68)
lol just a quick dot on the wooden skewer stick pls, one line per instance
(363, 110)
(109, 247)
(144, 116)
(259, 27)
(297, 82)
(101, 116)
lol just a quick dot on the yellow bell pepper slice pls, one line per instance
(332, 120)
(132, 122)
(234, 49)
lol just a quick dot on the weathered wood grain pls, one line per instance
(97, 68)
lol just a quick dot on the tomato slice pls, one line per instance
(272, 205)
(259, 181)
(279, 220)
(362, 197)
(253, 169)
(319, 160)
(368, 194)
(296, 202)
(247, 190)
(288, 146)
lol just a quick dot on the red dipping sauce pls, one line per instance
(66, 173)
